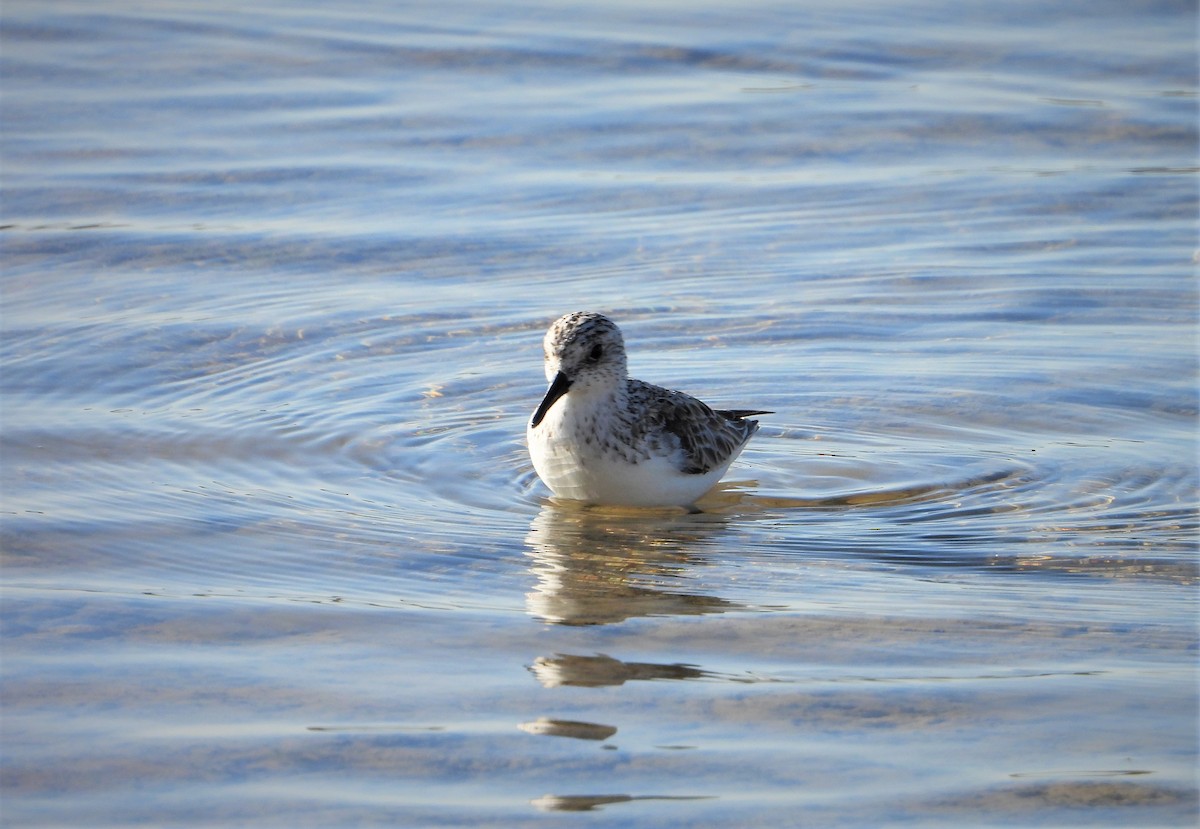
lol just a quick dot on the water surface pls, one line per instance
(274, 287)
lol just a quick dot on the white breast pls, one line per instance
(582, 471)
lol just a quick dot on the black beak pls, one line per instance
(558, 387)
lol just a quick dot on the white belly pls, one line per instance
(581, 472)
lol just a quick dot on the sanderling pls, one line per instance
(601, 437)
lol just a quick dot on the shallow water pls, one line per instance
(274, 288)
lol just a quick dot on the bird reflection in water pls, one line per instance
(589, 802)
(602, 670)
(597, 566)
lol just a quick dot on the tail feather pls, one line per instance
(739, 414)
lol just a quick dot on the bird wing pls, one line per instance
(706, 438)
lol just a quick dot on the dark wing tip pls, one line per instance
(739, 414)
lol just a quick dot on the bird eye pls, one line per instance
(596, 353)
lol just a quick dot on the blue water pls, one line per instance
(274, 286)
